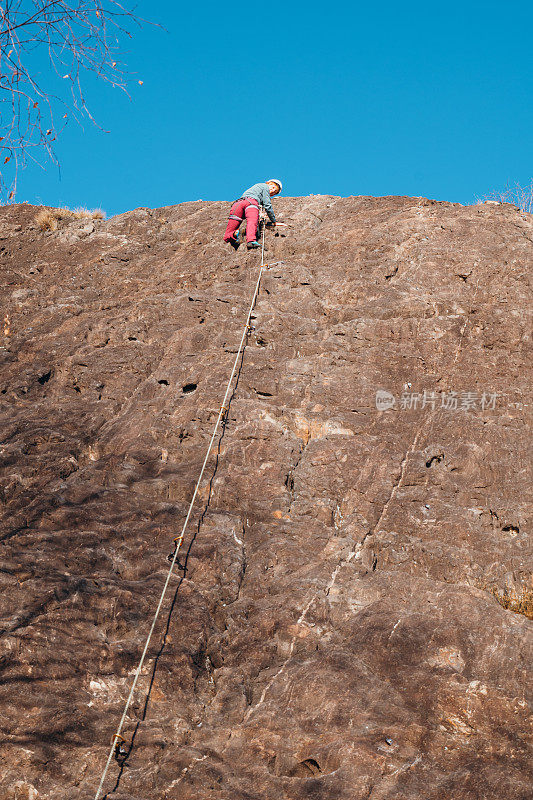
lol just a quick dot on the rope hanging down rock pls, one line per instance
(179, 539)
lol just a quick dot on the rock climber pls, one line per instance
(256, 197)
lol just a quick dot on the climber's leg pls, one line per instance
(235, 218)
(252, 218)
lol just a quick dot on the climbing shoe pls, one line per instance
(252, 245)
(234, 243)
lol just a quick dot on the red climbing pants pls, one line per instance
(245, 207)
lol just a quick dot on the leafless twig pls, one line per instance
(77, 37)
(521, 196)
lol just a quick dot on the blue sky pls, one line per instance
(342, 98)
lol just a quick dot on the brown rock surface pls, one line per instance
(345, 627)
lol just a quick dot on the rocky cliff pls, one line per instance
(354, 617)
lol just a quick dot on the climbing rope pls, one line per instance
(117, 738)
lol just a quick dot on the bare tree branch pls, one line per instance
(78, 37)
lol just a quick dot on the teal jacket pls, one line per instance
(261, 193)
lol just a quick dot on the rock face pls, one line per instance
(354, 620)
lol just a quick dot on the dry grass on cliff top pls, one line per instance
(48, 219)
